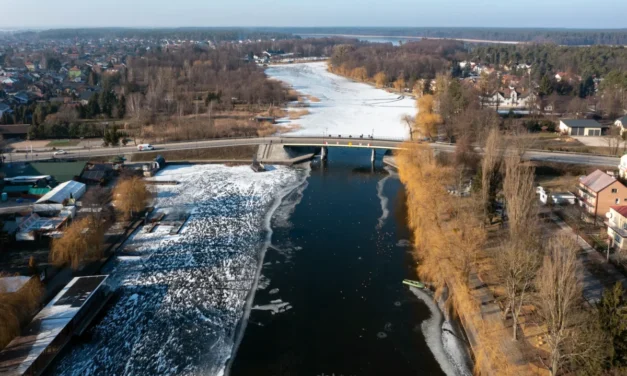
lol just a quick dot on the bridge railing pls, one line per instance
(343, 137)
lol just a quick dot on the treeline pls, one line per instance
(188, 81)
(550, 58)
(185, 33)
(301, 47)
(573, 37)
(409, 62)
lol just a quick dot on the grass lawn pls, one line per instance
(58, 143)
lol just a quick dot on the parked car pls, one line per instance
(142, 147)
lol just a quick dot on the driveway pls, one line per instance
(592, 140)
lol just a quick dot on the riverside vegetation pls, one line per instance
(451, 233)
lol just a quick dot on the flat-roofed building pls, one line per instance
(68, 313)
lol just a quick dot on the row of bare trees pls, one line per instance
(543, 275)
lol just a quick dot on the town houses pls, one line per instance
(57, 71)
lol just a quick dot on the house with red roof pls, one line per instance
(600, 191)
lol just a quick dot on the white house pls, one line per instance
(580, 127)
(510, 98)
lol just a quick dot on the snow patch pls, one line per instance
(346, 107)
(445, 351)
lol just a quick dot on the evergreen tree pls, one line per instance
(121, 107)
(546, 86)
(613, 317)
(93, 108)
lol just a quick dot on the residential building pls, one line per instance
(581, 127)
(599, 191)
(617, 226)
(74, 73)
(510, 98)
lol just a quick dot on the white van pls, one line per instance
(142, 147)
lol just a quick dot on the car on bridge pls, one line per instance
(142, 147)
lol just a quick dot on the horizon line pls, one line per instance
(42, 28)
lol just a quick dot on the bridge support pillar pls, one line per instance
(324, 153)
(373, 156)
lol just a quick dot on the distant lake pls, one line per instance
(365, 38)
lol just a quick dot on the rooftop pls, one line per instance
(597, 181)
(620, 209)
(19, 355)
(63, 191)
(581, 123)
(61, 171)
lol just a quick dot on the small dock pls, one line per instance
(174, 221)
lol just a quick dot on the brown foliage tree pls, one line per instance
(81, 242)
(427, 120)
(381, 80)
(16, 309)
(130, 196)
(399, 85)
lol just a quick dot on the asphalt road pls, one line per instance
(572, 158)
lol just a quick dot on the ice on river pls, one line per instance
(346, 107)
(180, 297)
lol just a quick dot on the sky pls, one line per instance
(402, 13)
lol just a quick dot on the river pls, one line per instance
(330, 300)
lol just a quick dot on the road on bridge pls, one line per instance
(585, 159)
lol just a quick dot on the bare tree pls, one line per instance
(409, 121)
(614, 140)
(578, 107)
(522, 140)
(517, 262)
(97, 201)
(558, 303)
(519, 191)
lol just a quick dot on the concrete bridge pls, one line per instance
(311, 141)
